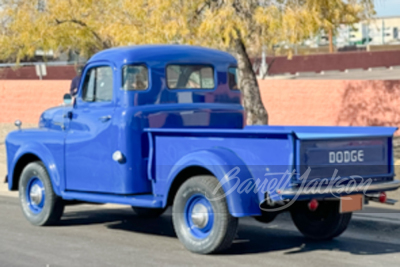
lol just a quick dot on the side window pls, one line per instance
(233, 78)
(135, 77)
(88, 86)
(98, 85)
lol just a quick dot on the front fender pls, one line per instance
(44, 154)
(230, 171)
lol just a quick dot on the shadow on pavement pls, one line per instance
(252, 237)
(270, 240)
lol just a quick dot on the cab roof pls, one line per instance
(162, 54)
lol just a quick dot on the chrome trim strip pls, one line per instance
(325, 190)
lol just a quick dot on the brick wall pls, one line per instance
(29, 73)
(336, 61)
(27, 99)
(332, 102)
(289, 102)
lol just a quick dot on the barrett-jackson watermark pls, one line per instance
(275, 183)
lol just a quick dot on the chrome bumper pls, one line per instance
(393, 185)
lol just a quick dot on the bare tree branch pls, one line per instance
(104, 43)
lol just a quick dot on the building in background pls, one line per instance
(377, 31)
(384, 30)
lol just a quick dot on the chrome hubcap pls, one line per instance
(200, 215)
(36, 194)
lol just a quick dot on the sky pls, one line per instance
(386, 8)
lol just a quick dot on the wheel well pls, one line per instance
(184, 175)
(19, 167)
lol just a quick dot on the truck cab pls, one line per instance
(163, 125)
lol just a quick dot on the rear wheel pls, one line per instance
(40, 205)
(201, 219)
(322, 224)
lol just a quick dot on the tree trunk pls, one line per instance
(255, 111)
(330, 35)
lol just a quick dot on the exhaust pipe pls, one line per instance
(380, 197)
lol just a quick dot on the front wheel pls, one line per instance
(322, 224)
(40, 205)
(201, 219)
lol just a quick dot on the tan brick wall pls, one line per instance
(27, 99)
(332, 102)
(289, 102)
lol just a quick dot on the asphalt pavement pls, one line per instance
(109, 235)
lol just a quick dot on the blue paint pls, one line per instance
(199, 232)
(162, 132)
(45, 144)
(220, 156)
(329, 132)
(145, 201)
(219, 162)
(35, 207)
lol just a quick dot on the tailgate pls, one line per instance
(346, 151)
(365, 157)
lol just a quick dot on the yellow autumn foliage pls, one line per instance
(88, 26)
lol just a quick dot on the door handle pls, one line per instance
(69, 115)
(105, 118)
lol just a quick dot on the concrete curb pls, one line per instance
(377, 68)
(330, 72)
(306, 74)
(353, 70)
(279, 77)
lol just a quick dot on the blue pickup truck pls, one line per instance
(163, 125)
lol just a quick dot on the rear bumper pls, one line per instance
(292, 192)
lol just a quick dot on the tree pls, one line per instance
(235, 25)
(239, 25)
(330, 14)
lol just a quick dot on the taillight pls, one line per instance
(313, 204)
(382, 197)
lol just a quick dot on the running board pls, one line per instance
(145, 201)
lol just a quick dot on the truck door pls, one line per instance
(91, 136)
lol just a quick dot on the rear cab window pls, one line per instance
(190, 77)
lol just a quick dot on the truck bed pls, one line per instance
(268, 152)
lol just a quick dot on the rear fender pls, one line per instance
(230, 171)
